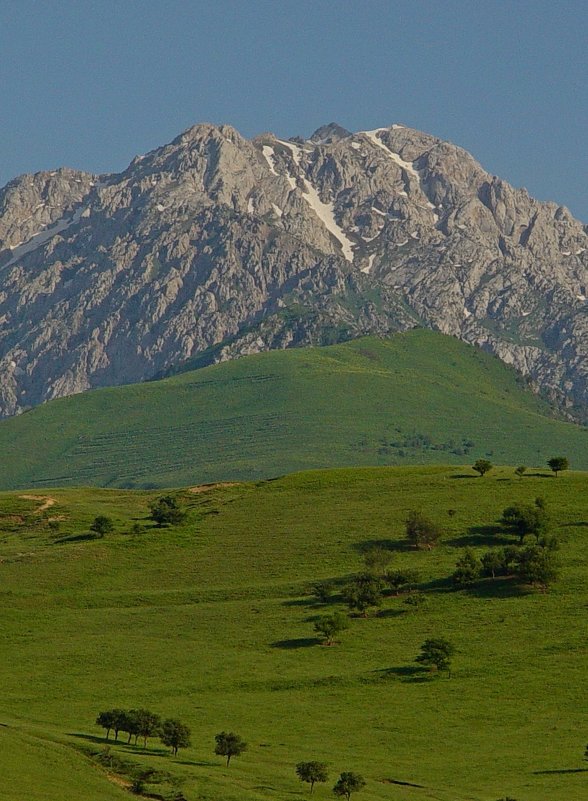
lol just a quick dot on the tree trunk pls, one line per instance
(130, 738)
(228, 759)
(107, 733)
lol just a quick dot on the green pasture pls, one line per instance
(416, 398)
(211, 622)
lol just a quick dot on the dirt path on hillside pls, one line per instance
(48, 502)
(208, 487)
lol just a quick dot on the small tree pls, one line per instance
(131, 724)
(493, 563)
(467, 569)
(364, 592)
(377, 559)
(312, 772)
(537, 566)
(521, 470)
(102, 525)
(147, 724)
(229, 744)
(415, 600)
(482, 466)
(175, 735)
(436, 653)
(558, 463)
(106, 720)
(166, 512)
(402, 580)
(348, 783)
(322, 591)
(329, 626)
(525, 519)
(421, 531)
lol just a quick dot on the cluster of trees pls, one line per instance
(172, 732)
(165, 511)
(317, 772)
(533, 563)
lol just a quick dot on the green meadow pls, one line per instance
(212, 622)
(415, 398)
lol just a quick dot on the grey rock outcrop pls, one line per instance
(215, 246)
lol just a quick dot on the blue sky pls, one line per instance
(91, 84)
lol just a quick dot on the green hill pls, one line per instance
(419, 397)
(211, 622)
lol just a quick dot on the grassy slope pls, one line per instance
(209, 622)
(289, 410)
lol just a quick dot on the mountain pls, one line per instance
(419, 397)
(215, 246)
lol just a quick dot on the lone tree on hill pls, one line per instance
(558, 463)
(436, 653)
(175, 735)
(312, 772)
(421, 531)
(482, 466)
(229, 744)
(520, 470)
(363, 593)
(102, 525)
(166, 512)
(348, 783)
(329, 626)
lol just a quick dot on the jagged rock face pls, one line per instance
(221, 245)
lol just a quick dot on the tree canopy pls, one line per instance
(229, 744)
(558, 463)
(421, 531)
(312, 772)
(175, 734)
(348, 783)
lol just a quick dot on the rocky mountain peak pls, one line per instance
(214, 246)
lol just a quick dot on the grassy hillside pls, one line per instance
(419, 397)
(211, 622)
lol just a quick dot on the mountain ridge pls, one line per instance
(218, 243)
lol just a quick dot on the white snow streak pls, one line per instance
(581, 297)
(369, 265)
(324, 211)
(405, 165)
(268, 152)
(277, 210)
(43, 236)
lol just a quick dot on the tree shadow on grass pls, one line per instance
(499, 587)
(463, 475)
(92, 738)
(493, 535)
(77, 538)
(406, 673)
(388, 545)
(386, 613)
(540, 475)
(579, 524)
(202, 764)
(562, 771)
(297, 642)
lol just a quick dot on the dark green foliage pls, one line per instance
(523, 519)
(147, 724)
(421, 531)
(558, 463)
(312, 772)
(348, 783)
(537, 566)
(493, 563)
(229, 744)
(482, 466)
(377, 559)
(436, 653)
(329, 626)
(415, 600)
(106, 720)
(467, 569)
(174, 734)
(521, 470)
(363, 593)
(166, 512)
(402, 580)
(322, 591)
(102, 525)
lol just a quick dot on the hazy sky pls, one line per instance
(90, 84)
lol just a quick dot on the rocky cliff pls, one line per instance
(215, 246)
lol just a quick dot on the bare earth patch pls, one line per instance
(48, 502)
(208, 487)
